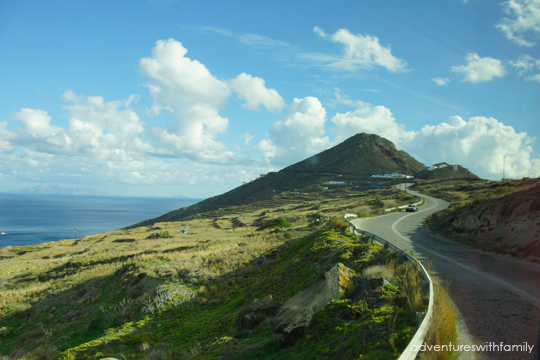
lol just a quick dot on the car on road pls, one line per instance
(412, 208)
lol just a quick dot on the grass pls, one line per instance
(121, 292)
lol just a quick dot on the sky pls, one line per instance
(164, 97)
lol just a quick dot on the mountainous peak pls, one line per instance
(365, 154)
(353, 162)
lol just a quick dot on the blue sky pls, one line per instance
(161, 98)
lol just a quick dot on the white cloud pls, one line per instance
(526, 64)
(344, 99)
(478, 144)
(524, 25)
(369, 119)
(194, 134)
(247, 137)
(39, 133)
(480, 69)
(255, 93)
(317, 30)
(358, 51)
(98, 128)
(186, 88)
(298, 135)
(440, 81)
(178, 80)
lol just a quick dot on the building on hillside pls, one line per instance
(437, 166)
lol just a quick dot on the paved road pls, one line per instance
(497, 296)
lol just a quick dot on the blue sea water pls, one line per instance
(34, 219)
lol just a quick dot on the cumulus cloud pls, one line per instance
(298, 135)
(194, 133)
(253, 91)
(37, 132)
(369, 119)
(440, 81)
(525, 65)
(100, 128)
(358, 51)
(178, 80)
(480, 69)
(478, 144)
(524, 23)
(187, 89)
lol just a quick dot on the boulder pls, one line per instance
(367, 286)
(294, 316)
(256, 312)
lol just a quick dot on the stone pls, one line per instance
(367, 286)
(294, 316)
(256, 312)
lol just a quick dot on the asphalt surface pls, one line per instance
(498, 297)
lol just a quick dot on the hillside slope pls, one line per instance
(354, 161)
(449, 172)
(506, 224)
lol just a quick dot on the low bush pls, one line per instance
(338, 223)
(160, 235)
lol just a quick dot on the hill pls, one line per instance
(495, 216)
(216, 290)
(446, 171)
(352, 162)
(59, 190)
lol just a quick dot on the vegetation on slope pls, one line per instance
(123, 293)
(493, 216)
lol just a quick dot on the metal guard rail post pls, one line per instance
(418, 338)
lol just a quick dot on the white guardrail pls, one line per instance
(418, 339)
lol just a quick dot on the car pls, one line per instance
(412, 208)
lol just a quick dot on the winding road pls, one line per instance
(498, 297)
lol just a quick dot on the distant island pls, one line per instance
(58, 190)
(180, 197)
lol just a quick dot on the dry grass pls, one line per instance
(379, 271)
(31, 277)
(442, 330)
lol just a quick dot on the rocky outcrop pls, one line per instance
(295, 314)
(257, 312)
(367, 286)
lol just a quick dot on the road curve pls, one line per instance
(497, 296)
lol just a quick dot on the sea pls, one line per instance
(34, 219)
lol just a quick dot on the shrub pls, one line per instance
(280, 222)
(160, 235)
(338, 224)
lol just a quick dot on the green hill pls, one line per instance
(352, 162)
